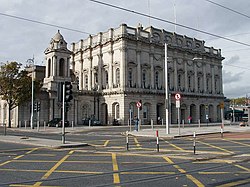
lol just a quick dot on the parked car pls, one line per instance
(93, 122)
(57, 122)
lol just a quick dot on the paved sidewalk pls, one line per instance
(40, 142)
(188, 131)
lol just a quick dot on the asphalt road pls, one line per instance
(107, 162)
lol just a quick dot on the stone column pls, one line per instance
(111, 76)
(204, 78)
(175, 75)
(195, 78)
(138, 60)
(186, 76)
(90, 83)
(54, 62)
(152, 73)
(123, 52)
(213, 79)
(81, 76)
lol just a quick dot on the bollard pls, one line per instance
(72, 123)
(44, 125)
(183, 123)
(199, 122)
(157, 140)
(127, 140)
(20, 124)
(162, 121)
(194, 143)
(25, 124)
(152, 124)
(4, 129)
(221, 131)
(89, 123)
(38, 125)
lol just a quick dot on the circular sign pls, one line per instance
(138, 104)
(177, 96)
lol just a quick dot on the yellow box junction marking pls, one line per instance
(175, 146)
(106, 143)
(49, 172)
(136, 142)
(115, 169)
(216, 147)
(236, 183)
(240, 143)
(193, 179)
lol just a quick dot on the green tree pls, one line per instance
(15, 86)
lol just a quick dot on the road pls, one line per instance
(218, 161)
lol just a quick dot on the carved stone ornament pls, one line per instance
(157, 57)
(199, 64)
(189, 62)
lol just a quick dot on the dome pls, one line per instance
(58, 36)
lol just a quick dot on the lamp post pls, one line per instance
(31, 61)
(166, 88)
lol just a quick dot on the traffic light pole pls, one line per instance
(63, 116)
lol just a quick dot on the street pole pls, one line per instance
(32, 93)
(166, 88)
(63, 116)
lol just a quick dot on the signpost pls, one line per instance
(138, 105)
(178, 105)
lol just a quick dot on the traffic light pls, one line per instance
(38, 106)
(68, 91)
(35, 106)
(141, 104)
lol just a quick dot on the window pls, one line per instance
(145, 112)
(157, 79)
(144, 79)
(117, 76)
(86, 81)
(96, 78)
(199, 83)
(189, 81)
(49, 68)
(61, 67)
(106, 77)
(130, 77)
(179, 80)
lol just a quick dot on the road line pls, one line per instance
(49, 172)
(116, 177)
(136, 142)
(242, 167)
(210, 145)
(237, 142)
(236, 183)
(175, 146)
(193, 179)
(149, 173)
(106, 143)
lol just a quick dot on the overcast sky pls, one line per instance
(21, 39)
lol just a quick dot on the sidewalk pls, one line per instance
(175, 132)
(44, 142)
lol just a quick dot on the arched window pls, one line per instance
(61, 67)
(117, 76)
(96, 77)
(117, 111)
(49, 67)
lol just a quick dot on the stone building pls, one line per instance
(113, 70)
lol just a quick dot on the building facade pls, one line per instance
(113, 70)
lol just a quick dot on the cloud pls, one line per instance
(233, 60)
(229, 77)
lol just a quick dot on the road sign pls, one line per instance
(178, 104)
(177, 96)
(138, 104)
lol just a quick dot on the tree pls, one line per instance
(15, 86)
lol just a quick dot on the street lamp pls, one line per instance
(31, 61)
(166, 88)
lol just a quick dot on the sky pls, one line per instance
(22, 39)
